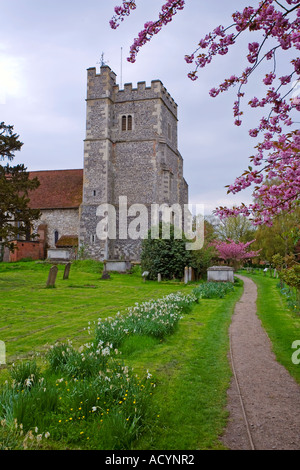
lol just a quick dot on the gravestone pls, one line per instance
(105, 274)
(52, 276)
(67, 271)
(159, 277)
(186, 275)
(190, 274)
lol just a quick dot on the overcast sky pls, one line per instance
(46, 47)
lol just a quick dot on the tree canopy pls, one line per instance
(16, 217)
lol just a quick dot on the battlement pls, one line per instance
(144, 92)
(103, 85)
(100, 85)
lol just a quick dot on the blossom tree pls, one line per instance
(234, 251)
(274, 173)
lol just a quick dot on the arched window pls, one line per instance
(124, 123)
(129, 123)
(56, 235)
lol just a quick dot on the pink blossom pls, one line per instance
(276, 27)
(235, 251)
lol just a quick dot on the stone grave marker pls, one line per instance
(159, 277)
(67, 271)
(186, 275)
(52, 276)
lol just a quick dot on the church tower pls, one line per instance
(130, 151)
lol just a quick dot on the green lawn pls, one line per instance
(190, 367)
(193, 374)
(186, 409)
(32, 315)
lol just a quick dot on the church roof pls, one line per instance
(59, 189)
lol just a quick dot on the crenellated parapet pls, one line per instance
(100, 85)
(143, 92)
(103, 85)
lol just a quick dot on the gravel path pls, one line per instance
(264, 404)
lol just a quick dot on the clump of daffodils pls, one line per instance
(155, 317)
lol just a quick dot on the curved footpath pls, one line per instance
(263, 399)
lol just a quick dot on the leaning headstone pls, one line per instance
(67, 271)
(52, 276)
(159, 277)
(186, 275)
(144, 275)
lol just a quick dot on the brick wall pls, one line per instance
(27, 249)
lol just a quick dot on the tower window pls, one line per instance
(56, 235)
(127, 122)
(124, 123)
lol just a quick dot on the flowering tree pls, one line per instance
(234, 251)
(274, 173)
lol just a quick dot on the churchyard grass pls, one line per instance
(281, 323)
(162, 388)
(192, 373)
(33, 316)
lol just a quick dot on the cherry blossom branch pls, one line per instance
(277, 158)
(168, 11)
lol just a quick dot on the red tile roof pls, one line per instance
(59, 189)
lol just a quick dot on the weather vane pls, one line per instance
(102, 61)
